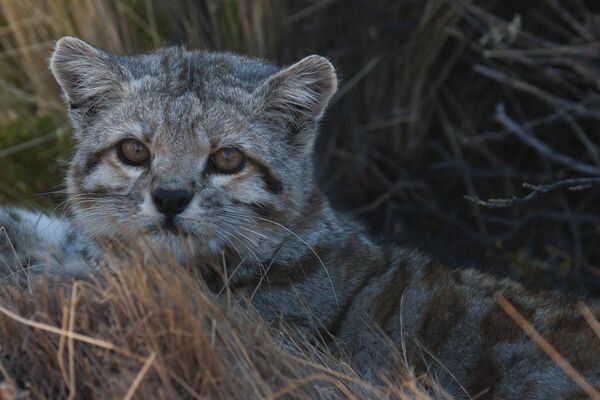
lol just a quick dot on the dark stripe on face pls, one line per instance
(262, 209)
(272, 183)
(94, 160)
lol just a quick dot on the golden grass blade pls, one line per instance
(70, 342)
(547, 347)
(590, 319)
(77, 336)
(139, 377)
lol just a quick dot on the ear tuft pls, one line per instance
(87, 76)
(301, 92)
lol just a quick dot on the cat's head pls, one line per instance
(190, 147)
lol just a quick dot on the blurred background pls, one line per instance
(444, 107)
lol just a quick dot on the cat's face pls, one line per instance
(203, 152)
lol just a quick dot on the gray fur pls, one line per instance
(285, 247)
(32, 242)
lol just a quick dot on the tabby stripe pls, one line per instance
(94, 160)
(484, 376)
(283, 276)
(436, 273)
(374, 270)
(443, 312)
(272, 183)
(496, 326)
(263, 209)
(387, 303)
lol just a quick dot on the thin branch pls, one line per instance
(542, 148)
(139, 377)
(574, 184)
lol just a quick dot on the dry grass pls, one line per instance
(149, 331)
(32, 26)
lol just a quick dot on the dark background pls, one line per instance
(439, 100)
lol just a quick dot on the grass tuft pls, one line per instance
(149, 331)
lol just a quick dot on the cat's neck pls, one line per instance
(318, 264)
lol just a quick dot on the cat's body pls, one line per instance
(210, 155)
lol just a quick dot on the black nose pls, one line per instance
(171, 201)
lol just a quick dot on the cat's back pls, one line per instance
(450, 323)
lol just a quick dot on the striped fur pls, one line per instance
(285, 247)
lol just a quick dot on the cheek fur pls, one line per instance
(108, 176)
(248, 190)
(252, 185)
(147, 206)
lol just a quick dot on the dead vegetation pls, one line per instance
(153, 331)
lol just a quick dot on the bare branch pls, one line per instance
(575, 184)
(541, 147)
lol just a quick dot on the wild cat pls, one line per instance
(211, 154)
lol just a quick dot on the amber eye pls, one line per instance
(228, 160)
(133, 152)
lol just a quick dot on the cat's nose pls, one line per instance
(171, 202)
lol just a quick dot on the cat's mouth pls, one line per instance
(167, 226)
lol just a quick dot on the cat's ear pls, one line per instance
(89, 77)
(298, 95)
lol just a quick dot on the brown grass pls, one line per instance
(547, 348)
(149, 331)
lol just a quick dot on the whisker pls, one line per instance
(311, 249)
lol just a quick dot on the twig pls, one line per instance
(139, 377)
(77, 336)
(355, 79)
(574, 184)
(541, 147)
(547, 347)
(70, 342)
(308, 11)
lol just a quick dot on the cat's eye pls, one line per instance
(133, 152)
(228, 160)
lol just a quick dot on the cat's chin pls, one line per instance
(180, 242)
(169, 244)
